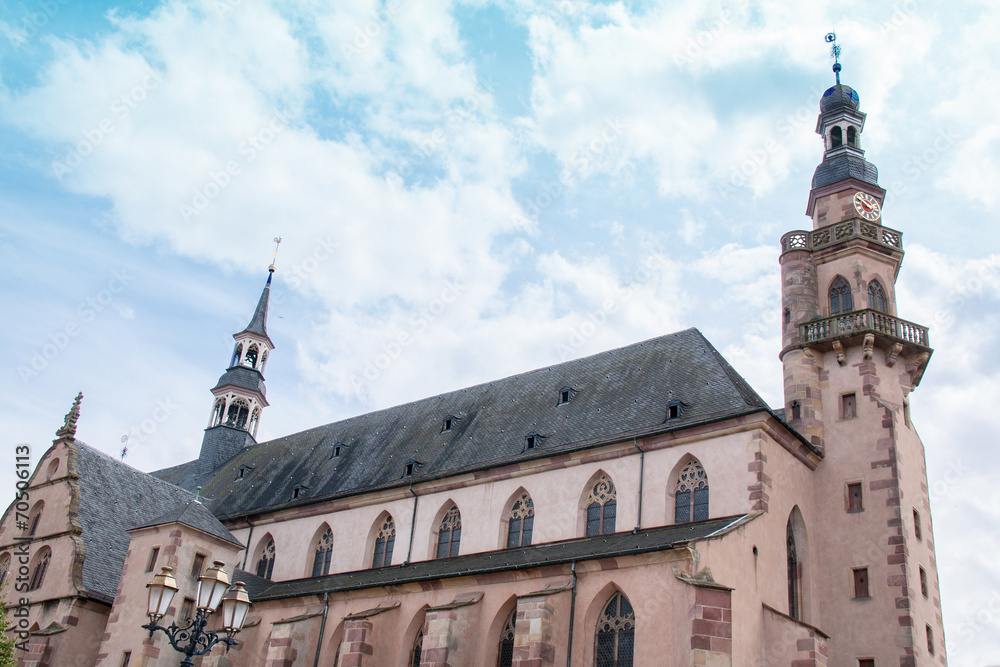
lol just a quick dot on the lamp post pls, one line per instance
(192, 639)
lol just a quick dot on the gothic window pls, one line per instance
(449, 533)
(614, 642)
(852, 136)
(602, 508)
(34, 517)
(506, 652)
(237, 355)
(415, 651)
(254, 418)
(520, 521)
(252, 352)
(793, 573)
(691, 494)
(239, 410)
(219, 412)
(263, 360)
(876, 297)
(323, 555)
(41, 565)
(836, 137)
(384, 541)
(840, 297)
(4, 568)
(265, 565)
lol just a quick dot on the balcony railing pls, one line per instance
(855, 228)
(862, 322)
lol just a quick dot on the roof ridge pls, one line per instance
(739, 382)
(126, 466)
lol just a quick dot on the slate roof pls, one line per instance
(194, 514)
(617, 395)
(258, 323)
(113, 498)
(842, 167)
(837, 97)
(581, 549)
(244, 377)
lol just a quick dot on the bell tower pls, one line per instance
(850, 363)
(240, 394)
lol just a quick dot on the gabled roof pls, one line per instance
(113, 498)
(618, 394)
(192, 513)
(542, 555)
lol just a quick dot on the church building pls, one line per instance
(641, 506)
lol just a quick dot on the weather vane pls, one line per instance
(831, 39)
(277, 242)
(125, 448)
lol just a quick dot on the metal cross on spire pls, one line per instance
(277, 242)
(831, 39)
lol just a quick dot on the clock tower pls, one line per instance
(850, 364)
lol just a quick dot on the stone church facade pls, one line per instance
(641, 506)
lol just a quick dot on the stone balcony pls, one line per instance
(860, 322)
(841, 232)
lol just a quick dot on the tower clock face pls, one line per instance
(867, 206)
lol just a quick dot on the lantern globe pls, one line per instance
(161, 594)
(212, 586)
(235, 605)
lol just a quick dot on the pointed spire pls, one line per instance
(258, 323)
(68, 429)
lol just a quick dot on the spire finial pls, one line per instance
(831, 39)
(277, 242)
(68, 429)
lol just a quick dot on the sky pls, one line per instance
(467, 190)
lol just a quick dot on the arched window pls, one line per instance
(252, 352)
(219, 412)
(384, 541)
(852, 136)
(449, 533)
(614, 643)
(506, 653)
(840, 297)
(237, 355)
(34, 517)
(836, 137)
(416, 649)
(254, 418)
(263, 360)
(602, 506)
(239, 410)
(876, 297)
(520, 521)
(691, 494)
(4, 568)
(41, 565)
(794, 574)
(265, 564)
(324, 553)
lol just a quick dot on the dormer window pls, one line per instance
(411, 468)
(532, 441)
(244, 471)
(339, 450)
(564, 395)
(299, 491)
(674, 410)
(450, 422)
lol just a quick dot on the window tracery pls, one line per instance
(236, 417)
(449, 533)
(38, 574)
(265, 565)
(384, 541)
(520, 521)
(691, 494)
(614, 641)
(840, 297)
(323, 555)
(506, 650)
(602, 507)
(876, 297)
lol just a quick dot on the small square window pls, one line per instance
(197, 565)
(674, 409)
(529, 442)
(855, 497)
(923, 582)
(917, 530)
(866, 662)
(151, 563)
(848, 406)
(861, 583)
(187, 609)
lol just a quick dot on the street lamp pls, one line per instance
(213, 588)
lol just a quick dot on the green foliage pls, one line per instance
(6, 641)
